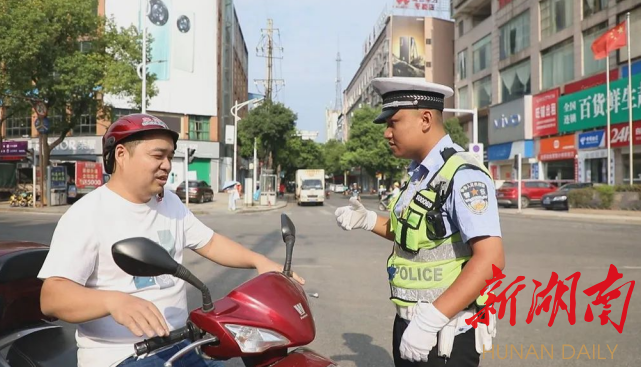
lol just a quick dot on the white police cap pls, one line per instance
(404, 93)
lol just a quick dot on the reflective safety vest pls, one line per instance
(426, 260)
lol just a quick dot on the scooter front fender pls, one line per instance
(303, 357)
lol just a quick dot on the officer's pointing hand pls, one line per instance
(355, 216)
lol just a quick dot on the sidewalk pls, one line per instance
(219, 205)
(586, 215)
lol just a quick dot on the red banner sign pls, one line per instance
(88, 175)
(590, 82)
(620, 134)
(544, 107)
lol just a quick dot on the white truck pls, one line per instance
(310, 186)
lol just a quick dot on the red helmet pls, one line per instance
(127, 126)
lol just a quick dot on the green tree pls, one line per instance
(299, 154)
(367, 148)
(333, 150)
(456, 132)
(62, 53)
(273, 124)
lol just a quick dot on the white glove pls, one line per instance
(484, 334)
(420, 336)
(355, 216)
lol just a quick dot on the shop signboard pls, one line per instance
(587, 109)
(88, 175)
(58, 177)
(544, 108)
(557, 148)
(592, 139)
(511, 121)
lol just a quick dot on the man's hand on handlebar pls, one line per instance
(140, 316)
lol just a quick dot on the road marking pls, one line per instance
(327, 212)
(631, 267)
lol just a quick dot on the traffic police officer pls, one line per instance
(445, 229)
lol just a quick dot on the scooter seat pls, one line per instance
(46, 348)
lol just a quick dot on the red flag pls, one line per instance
(611, 40)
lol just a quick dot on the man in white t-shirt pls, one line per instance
(82, 283)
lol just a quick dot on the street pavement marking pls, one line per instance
(631, 267)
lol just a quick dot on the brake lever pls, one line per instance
(189, 348)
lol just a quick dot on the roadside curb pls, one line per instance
(29, 210)
(577, 217)
(280, 205)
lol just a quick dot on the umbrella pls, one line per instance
(229, 184)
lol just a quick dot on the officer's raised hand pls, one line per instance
(355, 216)
(420, 336)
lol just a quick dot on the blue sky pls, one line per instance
(310, 33)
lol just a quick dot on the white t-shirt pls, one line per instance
(81, 251)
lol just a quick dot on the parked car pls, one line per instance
(532, 191)
(559, 198)
(199, 191)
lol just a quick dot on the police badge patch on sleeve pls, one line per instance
(475, 197)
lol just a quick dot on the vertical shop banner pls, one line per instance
(587, 109)
(544, 111)
(88, 175)
(408, 47)
(59, 177)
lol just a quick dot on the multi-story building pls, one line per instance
(193, 96)
(405, 46)
(522, 63)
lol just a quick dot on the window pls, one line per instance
(85, 46)
(461, 29)
(117, 113)
(591, 7)
(461, 65)
(556, 15)
(590, 65)
(483, 92)
(635, 30)
(482, 54)
(198, 127)
(86, 126)
(514, 36)
(18, 127)
(463, 98)
(557, 64)
(515, 81)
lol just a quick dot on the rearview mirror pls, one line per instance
(143, 257)
(287, 228)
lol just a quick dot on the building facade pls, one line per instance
(539, 53)
(192, 96)
(405, 46)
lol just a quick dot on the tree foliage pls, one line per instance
(367, 148)
(299, 154)
(273, 124)
(333, 151)
(456, 132)
(62, 53)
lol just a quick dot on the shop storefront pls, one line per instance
(620, 142)
(501, 158)
(593, 156)
(586, 110)
(559, 158)
(510, 133)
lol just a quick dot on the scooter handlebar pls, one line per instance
(151, 344)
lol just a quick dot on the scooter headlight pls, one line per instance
(255, 340)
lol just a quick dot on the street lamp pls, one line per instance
(143, 76)
(234, 112)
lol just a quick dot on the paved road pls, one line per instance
(353, 315)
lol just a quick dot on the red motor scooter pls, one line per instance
(258, 321)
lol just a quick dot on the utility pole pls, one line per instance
(267, 48)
